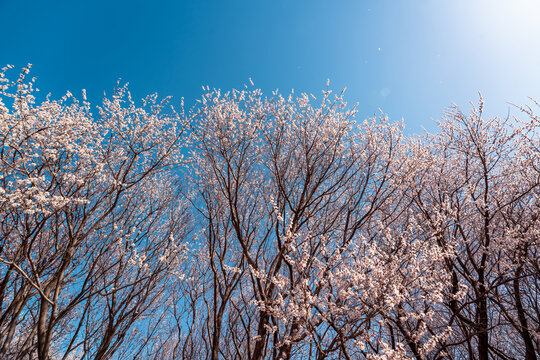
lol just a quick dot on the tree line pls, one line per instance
(254, 227)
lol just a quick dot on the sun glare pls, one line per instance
(513, 22)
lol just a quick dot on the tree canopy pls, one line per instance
(255, 227)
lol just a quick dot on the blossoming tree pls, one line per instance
(92, 223)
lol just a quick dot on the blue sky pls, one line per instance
(409, 58)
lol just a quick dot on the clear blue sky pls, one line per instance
(410, 58)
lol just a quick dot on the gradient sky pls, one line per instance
(409, 58)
